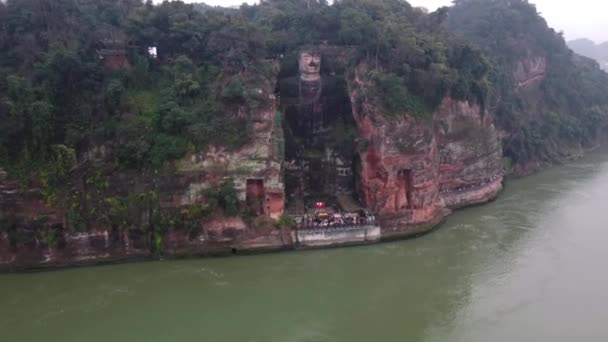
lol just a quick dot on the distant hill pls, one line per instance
(588, 48)
(538, 88)
(204, 8)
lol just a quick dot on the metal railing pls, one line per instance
(341, 228)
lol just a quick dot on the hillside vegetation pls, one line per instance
(56, 91)
(58, 101)
(569, 109)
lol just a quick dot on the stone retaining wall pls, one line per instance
(337, 236)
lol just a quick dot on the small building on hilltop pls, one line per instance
(114, 59)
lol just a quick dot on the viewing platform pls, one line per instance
(314, 237)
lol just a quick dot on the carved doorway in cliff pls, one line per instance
(403, 198)
(255, 196)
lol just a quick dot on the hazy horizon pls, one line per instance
(583, 19)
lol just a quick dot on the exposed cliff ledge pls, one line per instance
(530, 71)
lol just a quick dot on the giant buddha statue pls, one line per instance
(314, 101)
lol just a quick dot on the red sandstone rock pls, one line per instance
(471, 166)
(413, 171)
(399, 168)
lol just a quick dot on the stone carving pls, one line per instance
(310, 66)
(315, 103)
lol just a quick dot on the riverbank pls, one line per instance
(71, 255)
(535, 254)
(68, 249)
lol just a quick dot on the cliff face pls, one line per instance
(471, 162)
(413, 171)
(34, 248)
(399, 171)
(34, 234)
(255, 168)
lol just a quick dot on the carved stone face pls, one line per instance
(310, 66)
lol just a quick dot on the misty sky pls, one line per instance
(578, 19)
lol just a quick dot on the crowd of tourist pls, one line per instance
(324, 219)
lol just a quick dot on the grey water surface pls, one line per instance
(529, 267)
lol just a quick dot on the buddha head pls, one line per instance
(310, 65)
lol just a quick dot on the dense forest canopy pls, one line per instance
(56, 90)
(572, 108)
(59, 100)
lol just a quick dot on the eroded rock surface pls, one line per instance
(414, 170)
(530, 71)
(471, 164)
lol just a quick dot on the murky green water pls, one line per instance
(529, 267)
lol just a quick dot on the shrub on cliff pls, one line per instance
(55, 172)
(286, 222)
(224, 197)
(234, 90)
(397, 99)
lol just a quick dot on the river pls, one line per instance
(527, 267)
